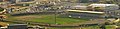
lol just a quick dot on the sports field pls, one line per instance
(51, 20)
(47, 19)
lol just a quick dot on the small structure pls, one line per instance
(17, 26)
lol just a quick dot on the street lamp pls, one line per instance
(55, 17)
(55, 13)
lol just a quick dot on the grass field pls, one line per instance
(51, 20)
(90, 27)
(47, 19)
(111, 27)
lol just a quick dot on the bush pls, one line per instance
(1, 9)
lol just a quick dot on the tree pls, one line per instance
(1, 9)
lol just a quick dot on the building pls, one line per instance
(84, 14)
(117, 0)
(80, 7)
(105, 6)
(92, 14)
(94, 1)
(1, 0)
(25, 0)
(83, 1)
(17, 26)
(87, 1)
(17, 1)
(11, 1)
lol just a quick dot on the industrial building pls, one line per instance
(84, 14)
(92, 14)
(108, 10)
(105, 6)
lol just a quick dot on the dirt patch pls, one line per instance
(27, 17)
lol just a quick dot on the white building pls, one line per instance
(84, 14)
(105, 6)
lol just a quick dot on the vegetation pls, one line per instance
(110, 26)
(90, 27)
(46, 19)
(1, 9)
